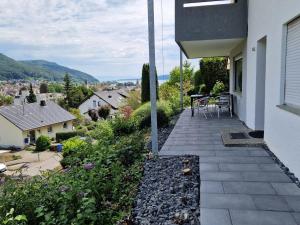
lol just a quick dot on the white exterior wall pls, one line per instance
(10, 135)
(56, 128)
(282, 129)
(88, 104)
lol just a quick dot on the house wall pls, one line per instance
(56, 128)
(10, 135)
(282, 128)
(88, 104)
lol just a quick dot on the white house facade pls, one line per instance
(264, 51)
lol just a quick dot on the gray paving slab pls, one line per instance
(255, 188)
(270, 167)
(293, 202)
(266, 176)
(237, 159)
(286, 189)
(215, 217)
(271, 203)
(212, 167)
(226, 201)
(221, 176)
(234, 167)
(249, 217)
(211, 187)
(297, 217)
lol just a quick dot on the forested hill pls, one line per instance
(38, 69)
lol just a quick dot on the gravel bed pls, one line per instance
(167, 196)
(164, 132)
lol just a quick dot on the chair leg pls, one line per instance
(204, 114)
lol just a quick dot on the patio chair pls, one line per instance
(202, 105)
(224, 102)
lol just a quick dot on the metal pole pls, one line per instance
(181, 82)
(152, 77)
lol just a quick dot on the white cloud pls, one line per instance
(102, 37)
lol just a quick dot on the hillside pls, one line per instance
(58, 69)
(38, 69)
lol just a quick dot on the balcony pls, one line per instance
(210, 28)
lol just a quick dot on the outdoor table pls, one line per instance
(193, 98)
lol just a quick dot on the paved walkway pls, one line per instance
(239, 186)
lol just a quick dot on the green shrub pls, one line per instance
(122, 126)
(143, 114)
(72, 145)
(130, 149)
(67, 135)
(42, 143)
(74, 151)
(103, 131)
(99, 188)
(218, 88)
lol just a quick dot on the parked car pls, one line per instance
(3, 168)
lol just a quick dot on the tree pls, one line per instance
(55, 88)
(31, 98)
(213, 70)
(145, 95)
(6, 100)
(188, 72)
(67, 87)
(198, 81)
(104, 111)
(76, 97)
(43, 88)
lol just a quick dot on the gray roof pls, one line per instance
(113, 98)
(35, 116)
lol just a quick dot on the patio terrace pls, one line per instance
(239, 185)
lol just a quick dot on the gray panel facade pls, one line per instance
(210, 22)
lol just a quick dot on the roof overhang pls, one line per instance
(209, 48)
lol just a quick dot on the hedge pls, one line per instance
(67, 135)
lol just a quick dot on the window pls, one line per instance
(65, 125)
(238, 74)
(94, 104)
(292, 65)
(50, 130)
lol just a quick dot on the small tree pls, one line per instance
(145, 95)
(42, 143)
(43, 88)
(31, 98)
(67, 87)
(104, 111)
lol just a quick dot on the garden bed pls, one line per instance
(167, 195)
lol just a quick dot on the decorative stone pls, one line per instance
(187, 171)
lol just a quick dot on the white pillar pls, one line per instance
(154, 136)
(181, 82)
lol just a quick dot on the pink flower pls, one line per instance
(88, 166)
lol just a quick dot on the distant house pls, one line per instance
(113, 98)
(22, 125)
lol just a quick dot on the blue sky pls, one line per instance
(100, 37)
